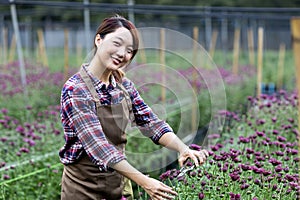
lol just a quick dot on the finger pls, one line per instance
(168, 189)
(205, 152)
(181, 161)
(195, 159)
(202, 157)
(167, 196)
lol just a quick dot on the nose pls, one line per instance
(121, 52)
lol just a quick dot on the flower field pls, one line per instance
(254, 156)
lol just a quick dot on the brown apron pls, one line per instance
(83, 179)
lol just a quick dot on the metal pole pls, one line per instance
(208, 28)
(130, 4)
(224, 34)
(19, 48)
(87, 26)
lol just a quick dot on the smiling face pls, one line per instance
(115, 50)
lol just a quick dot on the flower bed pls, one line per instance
(256, 157)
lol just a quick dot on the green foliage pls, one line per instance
(40, 180)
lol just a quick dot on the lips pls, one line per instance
(116, 61)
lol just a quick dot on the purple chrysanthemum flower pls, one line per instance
(201, 195)
(4, 111)
(234, 176)
(6, 176)
(244, 139)
(244, 186)
(195, 147)
(260, 134)
(278, 168)
(165, 175)
(274, 162)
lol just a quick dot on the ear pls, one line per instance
(97, 40)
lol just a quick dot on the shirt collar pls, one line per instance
(97, 82)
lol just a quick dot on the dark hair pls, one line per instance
(109, 25)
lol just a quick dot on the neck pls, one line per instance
(99, 71)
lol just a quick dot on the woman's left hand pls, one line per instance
(199, 157)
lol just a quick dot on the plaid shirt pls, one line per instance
(83, 130)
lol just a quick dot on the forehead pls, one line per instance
(121, 34)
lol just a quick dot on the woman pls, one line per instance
(96, 105)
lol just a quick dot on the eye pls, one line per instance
(116, 43)
(130, 51)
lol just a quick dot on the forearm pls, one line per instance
(153, 187)
(171, 141)
(130, 172)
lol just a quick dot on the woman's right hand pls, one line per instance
(154, 188)
(158, 190)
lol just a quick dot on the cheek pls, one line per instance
(128, 57)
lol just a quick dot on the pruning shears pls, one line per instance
(184, 170)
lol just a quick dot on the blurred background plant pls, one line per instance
(54, 46)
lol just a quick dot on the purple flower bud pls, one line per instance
(2, 164)
(274, 187)
(201, 195)
(278, 168)
(274, 162)
(260, 134)
(280, 153)
(275, 132)
(294, 151)
(214, 148)
(244, 186)
(257, 181)
(195, 147)
(244, 139)
(234, 176)
(6, 177)
(4, 111)
(165, 175)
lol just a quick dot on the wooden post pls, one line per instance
(42, 49)
(295, 29)
(66, 54)
(260, 60)
(194, 126)
(251, 46)
(79, 54)
(280, 65)
(236, 49)
(195, 47)
(12, 49)
(4, 31)
(163, 64)
(142, 50)
(213, 43)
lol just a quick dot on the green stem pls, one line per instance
(29, 174)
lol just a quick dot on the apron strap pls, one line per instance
(129, 103)
(89, 84)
